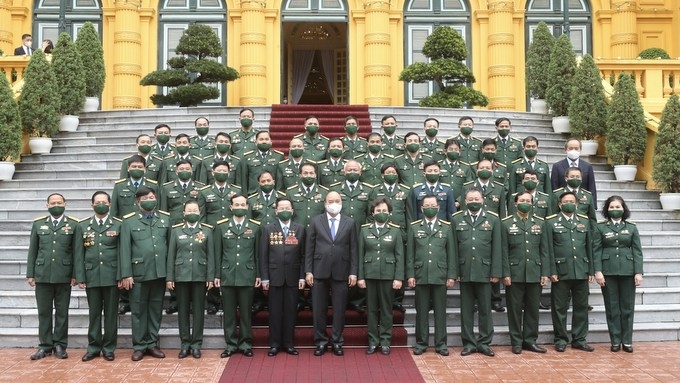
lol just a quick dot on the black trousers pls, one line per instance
(339, 291)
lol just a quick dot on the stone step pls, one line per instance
(659, 225)
(78, 202)
(85, 165)
(627, 194)
(39, 211)
(618, 185)
(50, 176)
(81, 153)
(659, 238)
(663, 279)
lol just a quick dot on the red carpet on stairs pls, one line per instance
(287, 121)
(354, 366)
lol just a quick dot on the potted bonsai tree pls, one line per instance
(38, 104)
(10, 130)
(68, 71)
(561, 71)
(626, 129)
(538, 60)
(91, 52)
(666, 168)
(588, 107)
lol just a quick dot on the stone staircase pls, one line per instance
(89, 160)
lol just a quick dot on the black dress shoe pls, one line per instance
(137, 356)
(544, 306)
(516, 349)
(418, 351)
(371, 350)
(183, 353)
(109, 356)
(337, 350)
(356, 308)
(273, 351)
(583, 347)
(615, 348)
(487, 351)
(560, 347)
(590, 308)
(60, 352)
(320, 350)
(534, 348)
(248, 353)
(196, 353)
(155, 352)
(211, 310)
(443, 352)
(291, 351)
(467, 351)
(227, 353)
(399, 307)
(385, 350)
(123, 308)
(628, 348)
(89, 356)
(300, 307)
(497, 307)
(257, 307)
(40, 354)
(171, 309)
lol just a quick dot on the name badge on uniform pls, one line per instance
(291, 240)
(111, 233)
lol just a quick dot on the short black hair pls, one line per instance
(144, 190)
(100, 192)
(608, 201)
(378, 201)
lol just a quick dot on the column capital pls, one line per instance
(500, 5)
(624, 6)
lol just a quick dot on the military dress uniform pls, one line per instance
(354, 148)
(355, 201)
(455, 174)
(243, 141)
(585, 203)
(50, 263)
(174, 196)
(169, 171)
(392, 146)
(480, 255)
(237, 268)
(263, 209)
(508, 149)
(315, 147)
(123, 201)
(371, 167)
(470, 149)
(410, 170)
(431, 258)
(234, 168)
(162, 150)
(306, 203)
(96, 265)
(498, 170)
(572, 257)
(541, 206)
(520, 165)
(617, 253)
(253, 164)
(201, 147)
(288, 173)
(191, 263)
(526, 258)
(143, 256)
(381, 262)
(434, 149)
(445, 199)
(153, 166)
(398, 195)
(494, 194)
(331, 171)
(214, 203)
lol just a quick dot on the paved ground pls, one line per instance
(651, 362)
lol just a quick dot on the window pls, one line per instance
(48, 22)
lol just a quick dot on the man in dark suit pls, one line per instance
(25, 48)
(330, 262)
(573, 150)
(281, 253)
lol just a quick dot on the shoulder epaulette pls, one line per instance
(469, 182)
(537, 217)
(178, 224)
(323, 187)
(207, 225)
(368, 185)
(168, 183)
(557, 190)
(551, 216)
(419, 184)
(418, 222)
(121, 180)
(233, 186)
(163, 212)
(445, 222)
(321, 136)
(40, 218)
(280, 193)
(335, 184)
(498, 183)
(127, 158)
(459, 212)
(388, 155)
(360, 157)
(284, 160)
(366, 225)
(298, 135)
(157, 157)
(222, 221)
(518, 160)
(586, 191)
(582, 215)
(473, 163)
(169, 156)
(393, 225)
(277, 151)
(150, 180)
(492, 213)
(405, 186)
(465, 163)
(199, 184)
(445, 184)
(507, 218)
(248, 152)
(476, 138)
(399, 156)
(515, 139)
(502, 165)
(129, 215)
(321, 162)
(293, 187)
(540, 192)
(254, 195)
(254, 221)
(206, 187)
(602, 221)
(116, 219)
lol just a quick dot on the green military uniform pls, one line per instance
(253, 164)
(508, 150)
(617, 253)
(162, 150)
(50, 263)
(392, 146)
(470, 149)
(243, 141)
(526, 258)
(215, 203)
(123, 201)
(234, 168)
(169, 172)
(397, 194)
(585, 204)
(306, 204)
(315, 147)
(237, 267)
(410, 170)
(434, 149)
(331, 172)
(174, 195)
(499, 172)
(520, 165)
(480, 252)
(573, 264)
(191, 263)
(96, 265)
(201, 147)
(288, 173)
(431, 259)
(371, 167)
(153, 165)
(354, 148)
(263, 209)
(381, 261)
(355, 201)
(143, 255)
(455, 174)
(495, 199)
(541, 205)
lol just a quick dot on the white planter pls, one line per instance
(589, 147)
(538, 105)
(6, 170)
(625, 172)
(670, 201)
(560, 124)
(69, 123)
(40, 145)
(91, 104)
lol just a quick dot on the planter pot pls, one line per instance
(69, 123)
(91, 104)
(625, 172)
(6, 170)
(589, 147)
(561, 124)
(538, 105)
(670, 201)
(40, 145)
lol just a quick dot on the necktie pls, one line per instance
(351, 187)
(432, 189)
(222, 189)
(266, 197)
(573, 164)
(162, 148)
(333, 229)
(429, 224)
(389, 189)
(238, 227)
(504, 141)
(184, 186)
(616, 224)
(101, 222)
(149, 217)
(531, 164)
(55, 222)
(378, 229)
(391, 140)
(309, 190)
(136, 184)
(569, 221)
(473, 217)
(484, 189)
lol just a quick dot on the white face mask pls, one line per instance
(28, 44)
(573, 154)
(334, 208)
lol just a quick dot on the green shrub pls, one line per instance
(653, 54)
(588, 107)
(92, 55)
(561, 71)
(39, 101)
(666, 169)
(10, 123)
(626, 130)
(68, 70)
(538, 60)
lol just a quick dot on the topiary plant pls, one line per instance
(561, 70)
(626, 130)
(538, 60)
(10, 123)
(666, 169)
(653, 54)
(588, 107)
(92, 55)
(68, 71)
(39, 101)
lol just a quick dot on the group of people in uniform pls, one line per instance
(227, 221)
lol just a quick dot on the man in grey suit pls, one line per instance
(330, 263)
